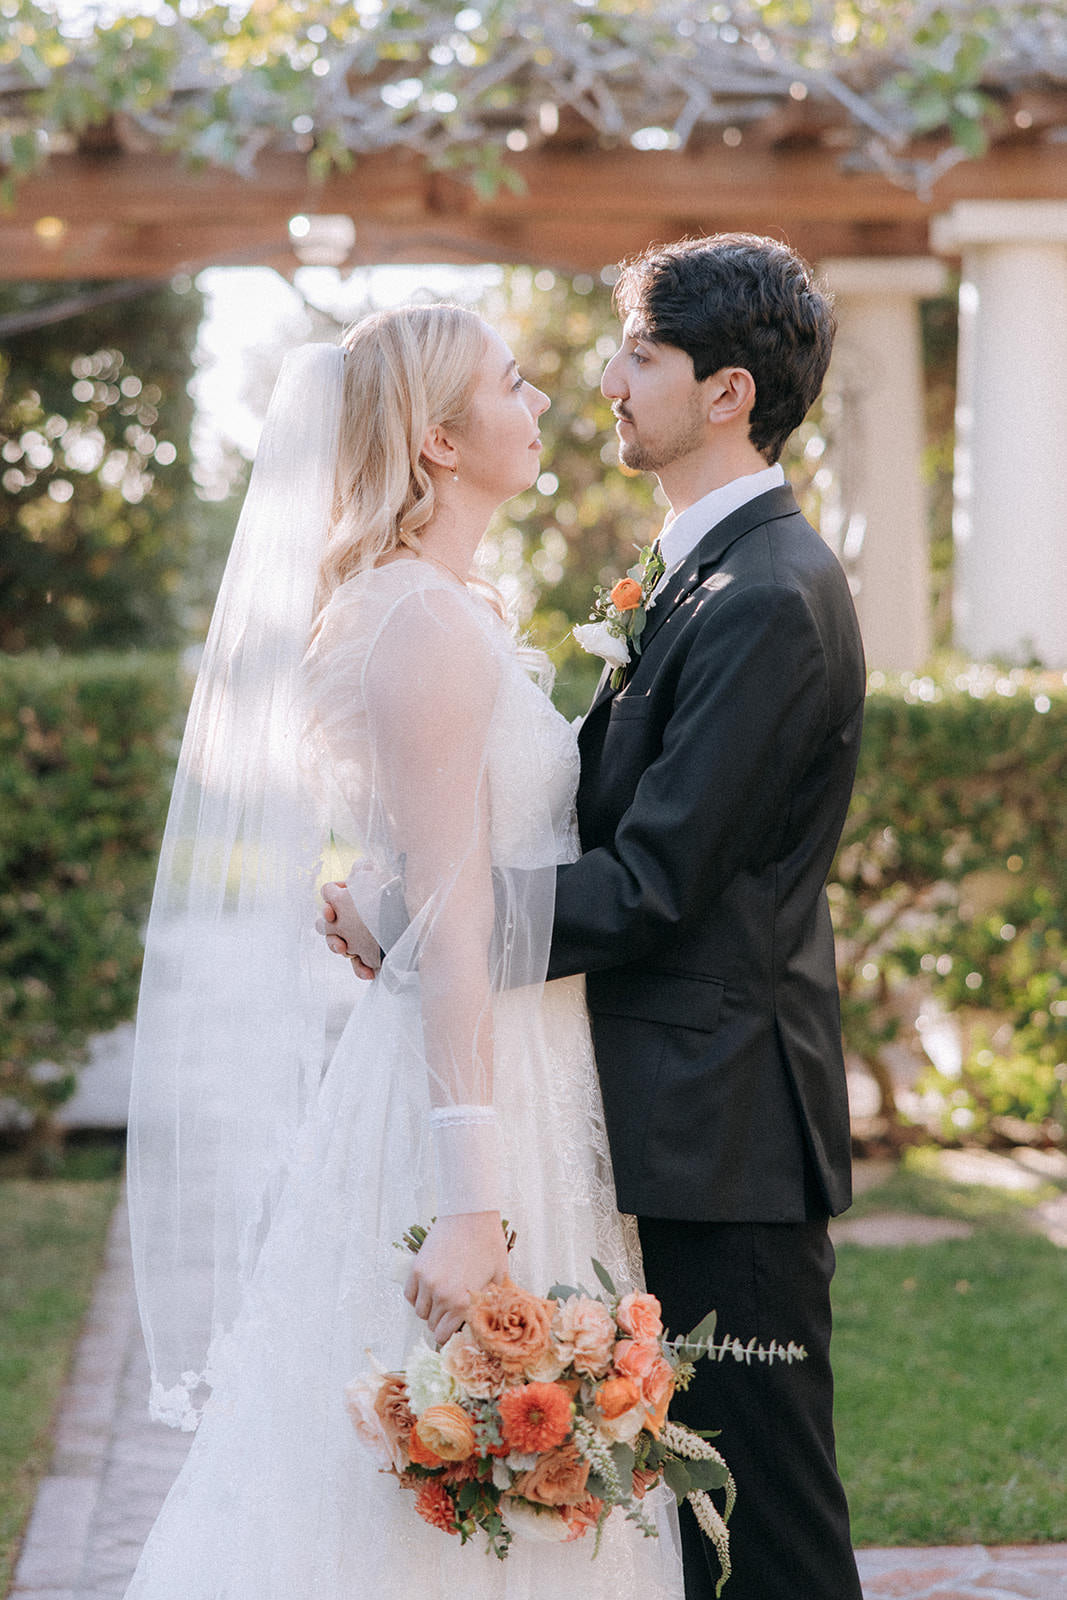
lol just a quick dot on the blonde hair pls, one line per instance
(406, 370)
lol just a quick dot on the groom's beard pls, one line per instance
(652, 451)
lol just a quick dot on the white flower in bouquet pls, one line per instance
(526, 1521)
(428, 1382)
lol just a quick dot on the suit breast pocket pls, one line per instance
(625, 707)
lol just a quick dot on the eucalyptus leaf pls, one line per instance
(605, 1278)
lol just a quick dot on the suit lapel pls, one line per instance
(779, 502)
(769, 507)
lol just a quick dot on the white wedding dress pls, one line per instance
(278, 1499)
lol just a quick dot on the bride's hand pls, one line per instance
(346, 933)
(460, 1256)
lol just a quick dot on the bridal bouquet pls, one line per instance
(544, 1415)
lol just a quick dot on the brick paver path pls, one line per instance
(112, 1468)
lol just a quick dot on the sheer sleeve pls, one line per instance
(411, 710)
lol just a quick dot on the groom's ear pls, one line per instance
(730, 395)
(438, 449)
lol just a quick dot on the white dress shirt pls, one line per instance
(682, 534)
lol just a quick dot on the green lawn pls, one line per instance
(951, 1375)
(52, 1236)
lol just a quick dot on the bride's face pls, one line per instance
(499, 450)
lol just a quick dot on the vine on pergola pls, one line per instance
(466, 85)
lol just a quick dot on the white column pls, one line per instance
(1010, 520)
(876, 375)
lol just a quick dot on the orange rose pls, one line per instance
(535, 1416)
(641, 1360)
(447, 1431)
(511, 1325)
(559, 1478)
(393, 1409)
(634, 1357)
(627, 595)
(639, 1316)
(615, 1396)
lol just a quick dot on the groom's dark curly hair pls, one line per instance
(738, 300)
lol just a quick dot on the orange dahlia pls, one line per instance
(535, 1416)
(435, 1506)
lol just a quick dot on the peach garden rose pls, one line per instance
(559, 1478)
(511, 1325)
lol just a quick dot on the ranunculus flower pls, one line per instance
(627, 594)
(535, 1417)
(479, 1375)
(511, 1324)
(394, 1411)
(558, 1478)
(420, 1453)
(583, 1332)
(359, 1403)
(639, 1315)
(436, 1506)
(447, 1431)
(598, 639)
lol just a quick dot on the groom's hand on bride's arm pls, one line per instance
(345, 932)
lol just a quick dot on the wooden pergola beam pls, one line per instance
(121, 214)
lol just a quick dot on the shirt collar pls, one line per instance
(682, 534)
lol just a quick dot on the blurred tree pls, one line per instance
(98, 514)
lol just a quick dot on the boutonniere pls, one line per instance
(619, 614)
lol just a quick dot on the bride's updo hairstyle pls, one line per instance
(406, 370)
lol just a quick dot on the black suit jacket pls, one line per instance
(714, 786)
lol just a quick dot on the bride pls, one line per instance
(359, 685)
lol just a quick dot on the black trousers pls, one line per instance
(789, 1532)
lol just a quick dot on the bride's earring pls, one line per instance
(455, 475)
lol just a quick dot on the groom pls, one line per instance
(714, 786)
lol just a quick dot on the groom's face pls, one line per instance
(660, 408)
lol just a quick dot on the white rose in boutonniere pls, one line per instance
(598, 639)
(618, 617)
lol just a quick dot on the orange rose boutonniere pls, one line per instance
(618, 617)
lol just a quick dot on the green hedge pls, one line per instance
(87, 746)
(950, 897)
(949, 893)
